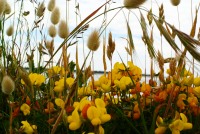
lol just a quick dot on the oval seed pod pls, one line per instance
(133, 3)
(55, 16)
(93, 41)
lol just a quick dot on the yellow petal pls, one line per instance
(92, 112)
(105, 118)
(183, 117)
(160, 130)
(100, 103)
(96, 121)
(59, 102)
(187, 126)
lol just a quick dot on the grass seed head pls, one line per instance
(52, 31)
(7, 85)
(63, 30)
(55, 16)
(41, 9)
(175, 2)
(133, 3)
(7, 8)
(51, 5)
(10, 30)
(2, 6)
(93, 41)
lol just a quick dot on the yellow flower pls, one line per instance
(180, 124)
(180, 103)
(70, 81)
(196, 81)
(25, 109)
(59, 85)
(193, 101)
(196, 91)
(59, 102)
(93, 114)
(123, 83)
(74, 120)
(36, 79)
(161, 127)
(105, 83)
(27, 128)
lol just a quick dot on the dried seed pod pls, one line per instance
(52, 31)
(63, 30)
(51, 5)
(133, 3)
(175, 2)
(55, 16)
(93, 41)
(7, 85)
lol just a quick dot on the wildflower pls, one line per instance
(123, 83)
(104, 83)
(52, 31)
(193, 101)
(7, 85)
(25, 109)
(160, 96)
(161, 126)
(180, 102)
(59, 85)
(50, 107)
(2, 6)
(196, 81)
(40, 9)
(93, 115)
(10, 30)
(7, 8)
(63, 30)
(133, 3)
(55, 16)
(188, 81)
(74, 120)
(175, 2)
(36, 79)
(180, 124)
(27, 128)
(146, 89)
(196, 91)
(51, 5)
(59, 102)
(93, 40)
(136, 112)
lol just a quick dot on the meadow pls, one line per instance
(49, 86)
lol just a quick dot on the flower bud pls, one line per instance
(52, 31)
(55, 16)
(10, 30)
(175, 2)
(51, 5)
(63, 30)
(7, 85)
(93, 41)
(133, 3)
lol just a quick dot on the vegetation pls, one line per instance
(60, 95)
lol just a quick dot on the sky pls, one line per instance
(181, 17)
